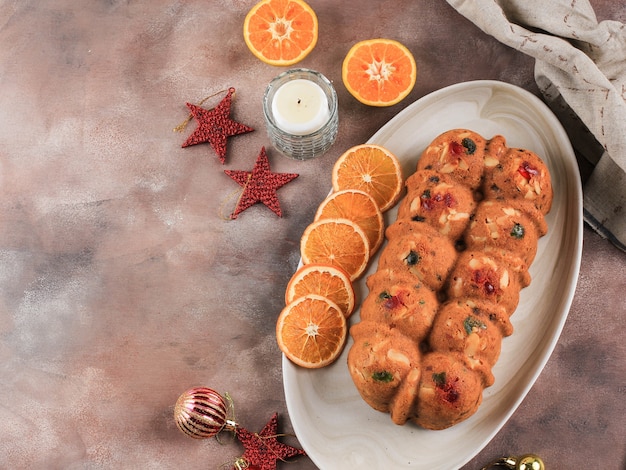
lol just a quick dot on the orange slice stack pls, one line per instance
(336, 248)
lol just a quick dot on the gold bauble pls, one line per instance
(530, 462)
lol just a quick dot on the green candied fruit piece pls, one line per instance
(384, 295)
(469, 145)
(383, 376)
(470, 323)
(517, 231)
(439, 379)
(412, 258)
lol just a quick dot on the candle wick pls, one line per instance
(299, 100)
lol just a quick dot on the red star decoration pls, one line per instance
(259, 185)
(263, 450)
(215, 125)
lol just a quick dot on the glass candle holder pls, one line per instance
(301, 113)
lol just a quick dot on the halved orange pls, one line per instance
(379, 72)
(338, 242)
(311, 331)
(359, 207)
(280, 32)
(372, 169)
(331, 282)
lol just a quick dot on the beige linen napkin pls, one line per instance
(580, 68)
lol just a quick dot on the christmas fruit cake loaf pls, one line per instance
(449, 278)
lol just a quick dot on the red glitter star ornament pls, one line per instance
(215, 126)
(259, 185)
(262, 450)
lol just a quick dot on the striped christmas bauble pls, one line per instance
(200, 413)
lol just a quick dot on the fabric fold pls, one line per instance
(580, 69)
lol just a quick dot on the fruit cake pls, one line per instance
(449, 278)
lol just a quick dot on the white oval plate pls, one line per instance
(335, 427)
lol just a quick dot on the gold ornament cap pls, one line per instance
(524, 462)
(530, 462)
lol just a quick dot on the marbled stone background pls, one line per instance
(122, 283)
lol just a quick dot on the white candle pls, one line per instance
(300, 107)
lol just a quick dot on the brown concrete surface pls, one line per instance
(121, 284)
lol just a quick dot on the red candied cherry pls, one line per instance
(527, 171)
(482, 279)
(446, 388)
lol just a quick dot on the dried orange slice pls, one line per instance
(359, 207)
(280, 32)
(379, 72)
(328, 281)
(372, 169)
(311, 331)
(338, 242)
